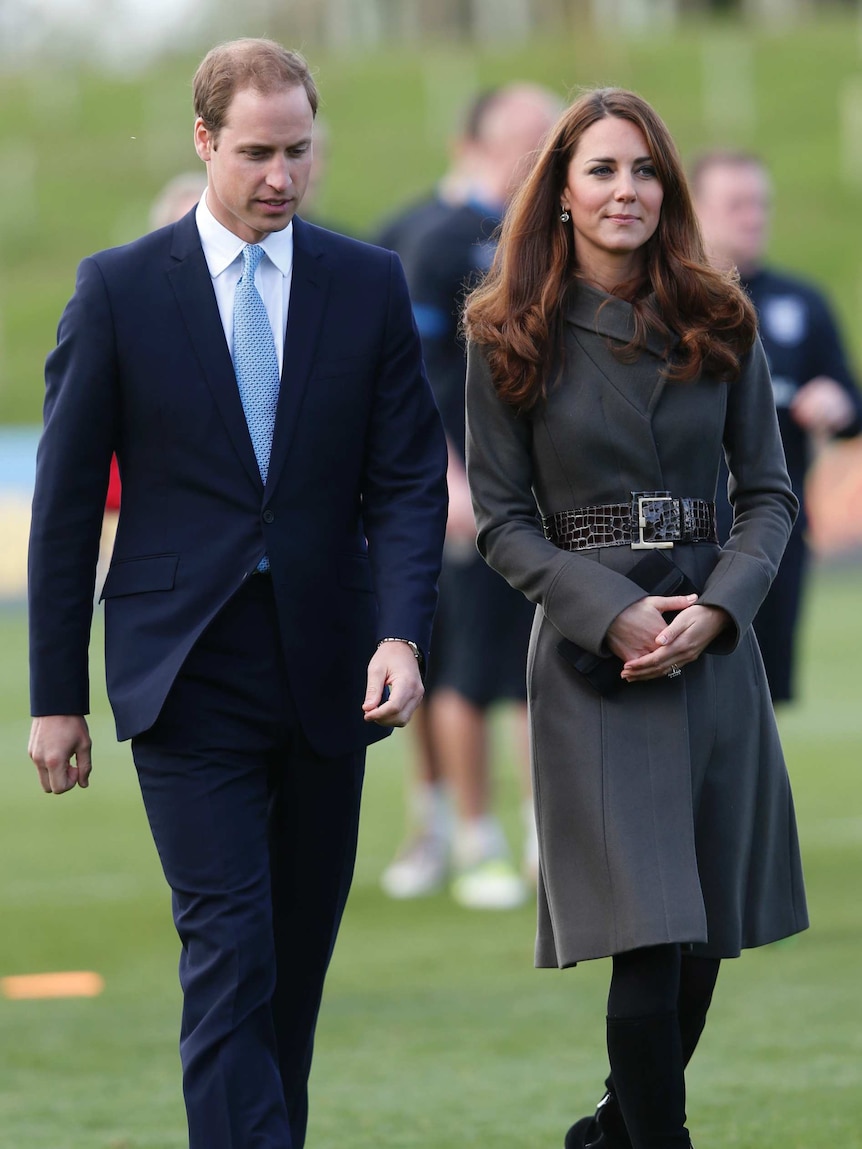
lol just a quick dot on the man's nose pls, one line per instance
(278, 173)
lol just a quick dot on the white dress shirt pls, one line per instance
(223, 253)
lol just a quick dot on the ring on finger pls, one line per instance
(675, 671)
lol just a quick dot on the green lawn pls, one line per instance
(436, 1031)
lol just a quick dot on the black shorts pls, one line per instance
(481, 634)
(776, 622)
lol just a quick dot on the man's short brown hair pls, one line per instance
(721, 158)
(248, 63)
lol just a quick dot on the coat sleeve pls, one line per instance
(578, 595)
(72, 468)
(404, 490)
(764, 506)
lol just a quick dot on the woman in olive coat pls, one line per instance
(609, 366)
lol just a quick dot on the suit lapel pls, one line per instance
(190, 279)
(308, 292)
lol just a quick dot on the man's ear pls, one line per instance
(204, 140)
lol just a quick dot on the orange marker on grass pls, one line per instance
(79, 983)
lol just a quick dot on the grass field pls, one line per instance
(436, 1031)
(83, 153)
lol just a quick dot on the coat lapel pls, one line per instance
(190, 279)
(308, 292)
(611, 319)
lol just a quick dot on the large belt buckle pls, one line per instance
(638, 500)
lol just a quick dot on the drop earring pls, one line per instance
(564, 215)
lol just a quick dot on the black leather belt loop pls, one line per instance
(653, 519)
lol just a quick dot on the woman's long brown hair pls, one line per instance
(516, 313)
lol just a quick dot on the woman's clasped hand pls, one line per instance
(650, 647)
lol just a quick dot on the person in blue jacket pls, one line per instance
(815, 392)
(482, 627)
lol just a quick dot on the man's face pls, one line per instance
(524, 121)
(512, 131)
(258, 163)
(733, 204)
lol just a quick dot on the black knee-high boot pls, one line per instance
(605, 1129)
(644, 1107)
(649, 1079)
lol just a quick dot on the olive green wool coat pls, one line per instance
(664, 811)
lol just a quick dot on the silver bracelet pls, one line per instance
(416, 651)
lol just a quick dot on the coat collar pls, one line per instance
(593, 310)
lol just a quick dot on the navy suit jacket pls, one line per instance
(352, 515)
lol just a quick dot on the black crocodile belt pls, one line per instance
(651, 519)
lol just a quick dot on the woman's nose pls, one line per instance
(625, 188)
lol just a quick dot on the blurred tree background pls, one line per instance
(95, 115)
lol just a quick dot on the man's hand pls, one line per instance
(54, 741)
(394, 665)
(822, 406)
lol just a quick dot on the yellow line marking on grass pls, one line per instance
(80, 983)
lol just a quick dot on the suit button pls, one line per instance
(268, 517)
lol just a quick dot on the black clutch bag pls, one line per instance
(656, 574)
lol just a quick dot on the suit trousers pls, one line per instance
(257, 838)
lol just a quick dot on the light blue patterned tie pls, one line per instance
(255, 362)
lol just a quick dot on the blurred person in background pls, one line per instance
(317, 178)
(179, 195)
(608, 366)
(422, 863)
(269, 603)
(482, 627)
(815, 393)
(402, 231)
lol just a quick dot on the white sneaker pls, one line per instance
(490, 885)
(419, 868)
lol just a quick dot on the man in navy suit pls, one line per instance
(270, 599)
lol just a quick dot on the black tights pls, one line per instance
(657, 1008)
(661, 979)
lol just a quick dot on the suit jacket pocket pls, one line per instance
(354, 571)
(139, 576)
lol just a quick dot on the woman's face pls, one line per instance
(613, 194)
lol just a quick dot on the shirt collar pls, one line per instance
(221, 247)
